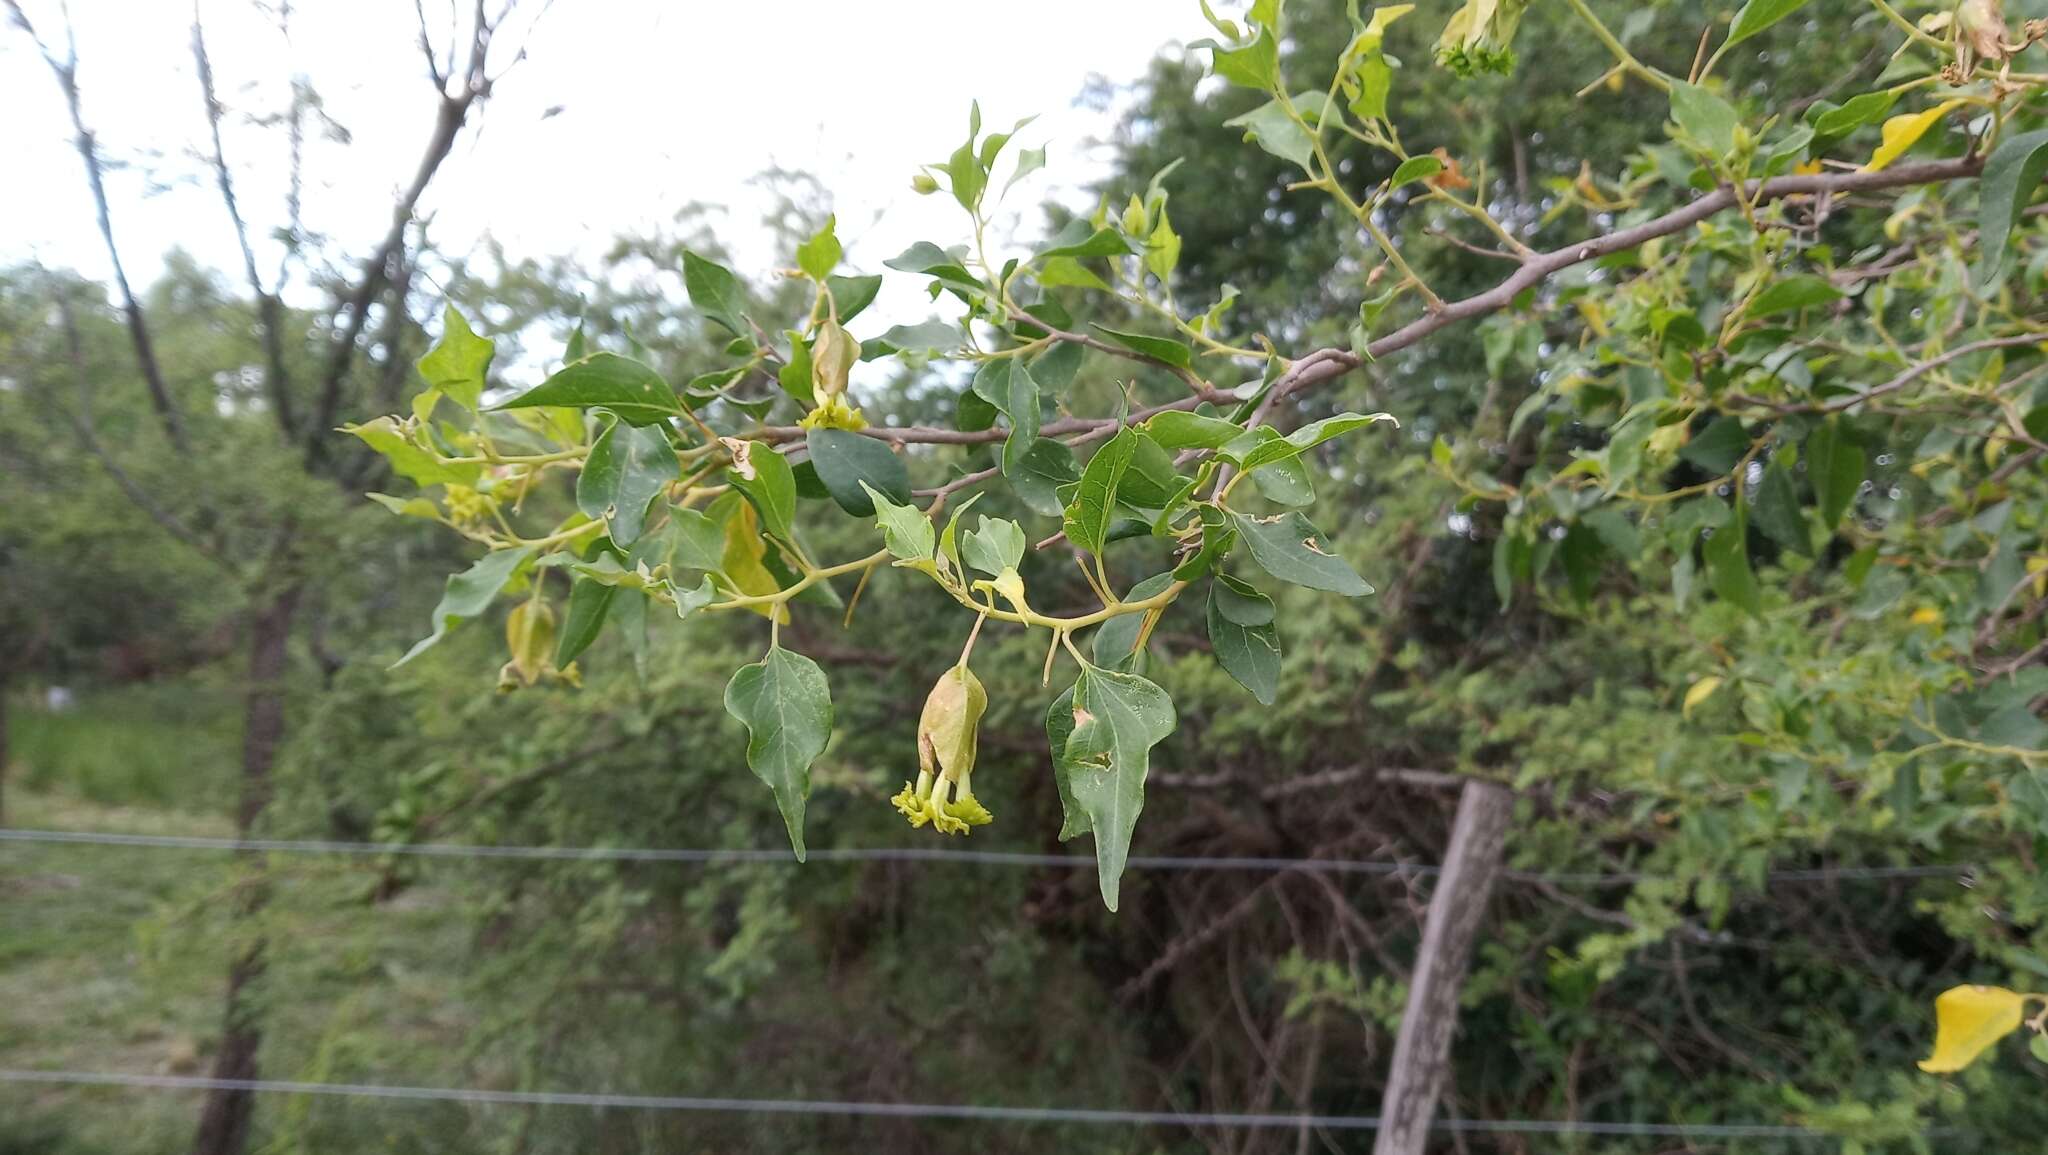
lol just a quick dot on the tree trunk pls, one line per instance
(1422, 1050)
(224, 1120)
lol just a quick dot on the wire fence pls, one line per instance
(930, 1111)
(723, 856)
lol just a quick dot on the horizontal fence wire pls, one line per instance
(714, 856)
(834, 1107)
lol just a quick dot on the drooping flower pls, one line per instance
(1479, 36)
(946, 738)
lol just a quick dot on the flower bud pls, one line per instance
(530, 635)
(923, 185)
(833, 354)
(1135, 222)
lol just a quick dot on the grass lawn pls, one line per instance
(113, 958)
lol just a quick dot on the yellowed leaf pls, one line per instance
(1904, 131)
(1967, 1021)
(1700, 692)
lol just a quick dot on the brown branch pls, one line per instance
(270, 310)
(65, 71)
(1325, 365)
(451, 113)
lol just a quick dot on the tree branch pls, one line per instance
(276, 377)
(354, 309)
(1325, 365)
(65, 71)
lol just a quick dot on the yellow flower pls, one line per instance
(946, 737)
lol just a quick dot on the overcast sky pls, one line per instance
(659, 104)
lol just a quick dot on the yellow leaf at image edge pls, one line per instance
(1967, 1021)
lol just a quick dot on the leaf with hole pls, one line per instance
(1102, 750)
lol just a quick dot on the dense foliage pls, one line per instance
(1712, 523)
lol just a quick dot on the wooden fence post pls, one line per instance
(1422, 1050)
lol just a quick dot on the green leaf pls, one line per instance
(1114, 719)
(786, 706)
(1268, 451)
(1158, 348)
(2011, 173)
(468, 594)
(1287, 546)
(1029, 160)
(820, 255)
(409, 460)
(625, 386)
(966, 175)
(1254, 65)
(766, 478)
(1789, 294)
(795, 374)
(1040, 473)
(1271, 128)
(1858, 111)
(1758, 15)
(1709, 120)
(1103, 242)
(852, 295)
(1024, 416)
(849, 463)
(1718, 447)
(1727, 558)
(1581, 554)
(1180, 429)
(1777, 510)
(690, 599)
(1150, 481)
(691, 539)
(1415, 168)
(1219, 537)
(588, 601)
(1117, 638)
(926, 257)
(906, 531)
(418, 507)
(998, 545)
(1285, 483)
(1059, 726)
(1834, 465)
(1242, 634)
(923, 337)
(1056, 272)
(627, 467)
(1087, 516)
(459, 361)
(716, 293)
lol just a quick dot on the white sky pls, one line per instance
(661, 104)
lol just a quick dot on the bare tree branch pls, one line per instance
(276, 376)
(451, 113)
(65, 71)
